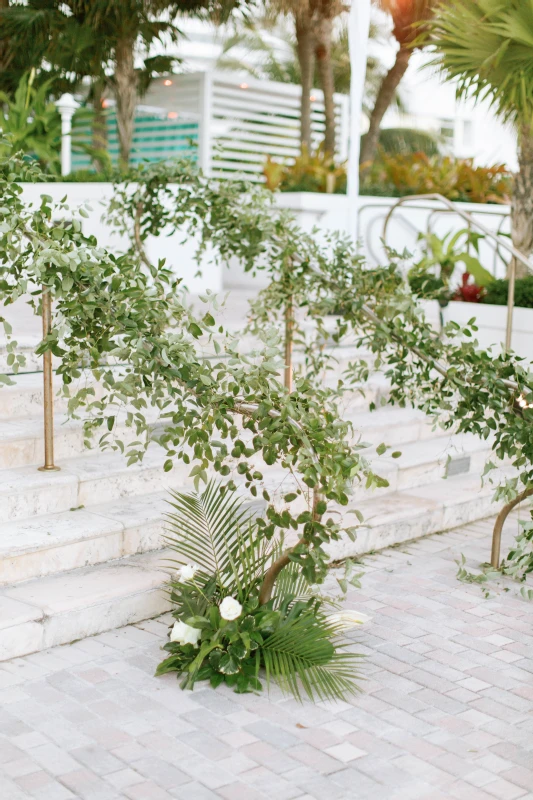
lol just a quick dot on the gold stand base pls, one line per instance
(49, 469)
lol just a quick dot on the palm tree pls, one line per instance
(255, 38)
(406, 16)
(487, 46)
(106, 40)
(326, 13)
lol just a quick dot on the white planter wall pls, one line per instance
(327, 212)
(179, 254)
(491, 321)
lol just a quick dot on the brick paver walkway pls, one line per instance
(445, 712)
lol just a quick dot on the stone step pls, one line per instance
(71, 509)
(40, 613)
(24, 398)
(428, 460)
(55, 543)
(392, 425)
(25, 492)
(59, 609)
(414, 513)
(22, 440)
(113, 527)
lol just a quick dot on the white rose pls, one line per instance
(348, 619)
(186, 572)
(185, 634)
(230, 609)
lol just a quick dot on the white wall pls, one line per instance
(430, 102)
(312, 210)
(179, 254)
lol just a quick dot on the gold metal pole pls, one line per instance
(289, 325)
(500, 522)
(48, 389)
(510, 304)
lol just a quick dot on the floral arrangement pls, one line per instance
(224, 632)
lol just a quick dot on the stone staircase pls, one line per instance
(80, 548)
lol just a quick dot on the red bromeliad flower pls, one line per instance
(469, 292)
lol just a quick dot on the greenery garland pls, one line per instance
(128, 324)
(219, 410)
(447, 377)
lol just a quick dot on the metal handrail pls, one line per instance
(517, 255)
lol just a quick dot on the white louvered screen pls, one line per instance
(243, 120)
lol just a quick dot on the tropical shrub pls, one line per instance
(449, 378)
(431, 276)
(497, 292)
(405, 141)
(310, 172)
(230, 414)
(126, 322)
(223, 633)
(31, 123)
(456, 179)
(494, 65)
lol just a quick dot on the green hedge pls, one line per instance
(498, 289)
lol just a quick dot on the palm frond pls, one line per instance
(303, 654)
(215, 531)
(290, 584)
(496, 64)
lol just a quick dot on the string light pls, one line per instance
(172, 115)
(167, 82)
(312, 98)
(244, 86)
(522, 402)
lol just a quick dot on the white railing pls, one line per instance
(243, 120)
(425, 216)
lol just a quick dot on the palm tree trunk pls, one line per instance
(324, 34)
(4, 42)
(384, 98)
(99, 129)
(126, 96)
(522, 202)
(304, 46)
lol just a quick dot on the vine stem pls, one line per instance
(500, 522)
(289, 325)
(269, 580)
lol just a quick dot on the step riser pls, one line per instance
(65, 491)
(32, 637)
(437, 521)
(109, 546)
(30, 451)
(412, 477)
(69, 443)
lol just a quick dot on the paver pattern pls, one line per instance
(445, 711)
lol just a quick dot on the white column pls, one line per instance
(358, 28)
(205, 141)
(66, 105)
